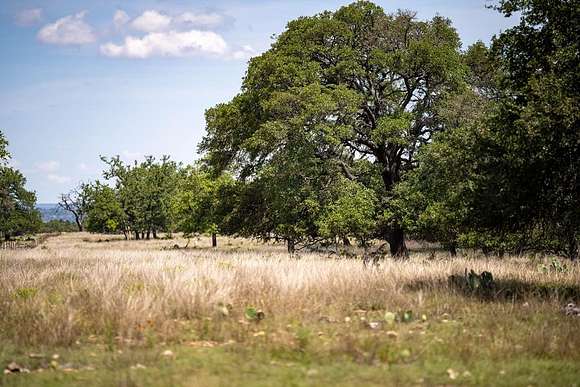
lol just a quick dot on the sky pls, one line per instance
(80, 79)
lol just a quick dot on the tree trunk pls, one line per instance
(573, 248)
(390, 176)
(214, 240)
(291, 246)
(79, 223)
(142, 234)
(452, 248)
(148, 234)
(154, 234)
(136, 235)
(397, 242)
(345, 241)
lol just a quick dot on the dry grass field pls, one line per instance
(96, 310)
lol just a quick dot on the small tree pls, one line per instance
(202, 202)
(105, 214)
(77, 203)
(144, 191)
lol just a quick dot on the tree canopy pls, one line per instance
(508, 179)
(355, 90)
(18, 214)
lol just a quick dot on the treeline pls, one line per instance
(140, 200)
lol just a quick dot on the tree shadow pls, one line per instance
(503, 290)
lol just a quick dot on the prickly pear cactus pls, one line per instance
(481, 284)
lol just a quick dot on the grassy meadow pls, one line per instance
(94, 310)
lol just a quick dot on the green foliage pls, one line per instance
(254, 314)
(335, 91)
(351, 212)
(105, 214)
(58, 225)
(25, 293)
(143, 191)
(18, 214)
(4, 153)
(303, 337)
(407, 316)
(534, 136)
(481, 284)
(554, 266)
(506, 174)
(202, 202)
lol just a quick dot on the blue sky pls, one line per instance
(79, 79)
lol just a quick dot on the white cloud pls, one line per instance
(151, 21)
(83, 167)
(245, 52)
(170, 43)
(28, 17)
(120, 18)
(70, 29)
(48, 166)
(58, 178)
(201, 20)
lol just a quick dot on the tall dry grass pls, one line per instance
(79, 285)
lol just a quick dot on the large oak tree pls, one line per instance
(355, 85)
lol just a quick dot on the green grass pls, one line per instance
(470, 348)
(245, 367)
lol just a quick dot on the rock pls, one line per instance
(374, 325)
(327, 319)
(452, 373)
(392, 334)
(167, 353)
(312, 372)
(223, 310)
(571, 310)
(13, 367)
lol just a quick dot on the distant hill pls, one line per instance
(51, 211)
